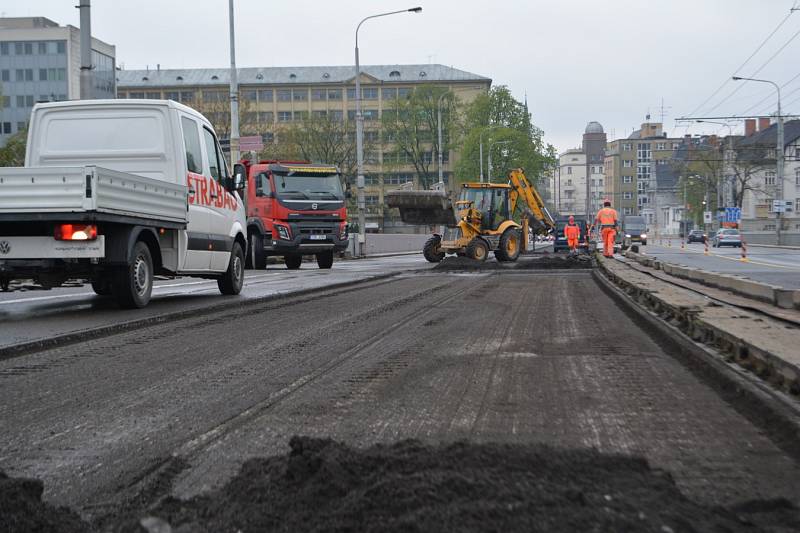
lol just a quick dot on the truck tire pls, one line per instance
(509, 247)
(325, 259)
(256, 257)
(432, 250)
(293, 261)
(477, 249)
(102, 286)
(132, 284)
(5, 283)
(232, 280)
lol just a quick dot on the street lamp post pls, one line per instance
(778, 156)
(480, 145)
(489, 161)
(439, 125)
(362, 237)
(234, 88)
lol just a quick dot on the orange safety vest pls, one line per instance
(572, 231)
(607, 217)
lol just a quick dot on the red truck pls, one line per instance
(294, 208)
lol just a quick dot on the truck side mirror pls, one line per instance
(239, 176)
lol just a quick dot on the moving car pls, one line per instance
(633, 230)
(727, 237)
(696, 235)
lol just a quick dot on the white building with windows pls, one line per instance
(40, 62)
(577, 184)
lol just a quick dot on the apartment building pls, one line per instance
(629, 165)
(577, 184)
(272, 97)
(40, 62)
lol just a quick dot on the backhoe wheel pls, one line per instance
(432, 250)
(133, 283)
(509, 248)
(477, 249)
(325, 259)
(232, 280)
(293, 261)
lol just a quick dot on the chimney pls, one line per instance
(763, 123)
(158, 67)
(749, 127)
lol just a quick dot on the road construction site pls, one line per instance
(577, 404)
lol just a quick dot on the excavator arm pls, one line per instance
(525, 195)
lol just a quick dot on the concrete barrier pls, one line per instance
(390, 243)
(778, 296)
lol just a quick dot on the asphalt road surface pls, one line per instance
(776, 266)
(29, 314)
(530, 356)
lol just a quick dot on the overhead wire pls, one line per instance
(768, 96)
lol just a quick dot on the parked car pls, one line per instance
(696, 235)
(727, 237)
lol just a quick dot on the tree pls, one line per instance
(410, 126)
(510, 121)
(13, 153)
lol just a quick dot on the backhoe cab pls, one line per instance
(481, 221)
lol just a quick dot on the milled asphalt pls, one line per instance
(534, 356)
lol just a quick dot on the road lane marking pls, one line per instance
(737, 259)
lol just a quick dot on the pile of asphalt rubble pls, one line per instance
(323, 485)
(540, 262)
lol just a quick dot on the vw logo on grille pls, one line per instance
(314, 206)
(5, 247)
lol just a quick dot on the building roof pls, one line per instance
(666, 177)
(292, 75)
(594, 127)
(26, 23)
(769, 137)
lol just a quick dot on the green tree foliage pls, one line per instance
(410, 130)
(502, 118)
(13, 153)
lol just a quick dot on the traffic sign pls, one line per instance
(251, 143)
(707, 217)
(733, 214)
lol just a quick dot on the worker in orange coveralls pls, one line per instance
(607, 219)
(572, 232)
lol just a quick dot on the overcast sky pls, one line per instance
(577, 60)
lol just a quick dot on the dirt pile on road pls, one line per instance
(537, 262)
(322, 485)
(22, 509)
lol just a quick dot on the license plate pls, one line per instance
(317, 237)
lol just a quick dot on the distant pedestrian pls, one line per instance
(608, 220)
(573, 233)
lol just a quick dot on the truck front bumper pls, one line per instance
(303, 244)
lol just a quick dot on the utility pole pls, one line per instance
(234, 140)
(86, 50)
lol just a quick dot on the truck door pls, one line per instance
(194, 241)
(222, 206)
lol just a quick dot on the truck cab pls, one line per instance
(294, 208)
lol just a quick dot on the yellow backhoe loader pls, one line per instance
(481, 221)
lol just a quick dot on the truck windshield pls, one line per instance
(309, 187)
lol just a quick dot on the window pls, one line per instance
(569, 183)
(334, 94)
(627, 195)
(627, 179)
(370, 179)
(662, 162)
(337, 115)
(371, 136)
(42, 48)
(42, 74)
(569, 170)
(319, 114)
(627, 210)
(191, 141)
(3, 49)
(265, 117)
(351, 94)
(250, 95)
(370, 114)
(319, 94)
(643, 152)
(371, 199)
(154, 95)
(797, 205)
(5, 101)
(369, 93)
(265, 95)
(20, 100)
(137, 95)
(351, 114)
(797, 177)
(28, 49)
(21, 126)
(300, 115)
(628, 163)
(61, 74)
(398, 179)
(661, 146)
(18, 49)
(675, 146)
(389, 93)
(403, 92)
(300, 95)
(172, 95)
(214, 96)
(5, 75)
(769, 177)
(6, 127)
(626, 147)
(284, 95)
(216, 163)
(19, 74)
(61, 47)
(284, 116)
(186, 96)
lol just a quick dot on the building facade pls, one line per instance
(577, 185)
(40, 62)
(273, 97)
(629, 166)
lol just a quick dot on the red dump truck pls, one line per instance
(294, 208)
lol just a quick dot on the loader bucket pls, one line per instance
(422, 207)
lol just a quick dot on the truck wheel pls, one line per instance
(256, 257)
(293, 261)
(477, 249)
(133, 284)
(509, 247)
(432, 250)
(5, 283)
(232, 280)
(102, 286)
(325, 259)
